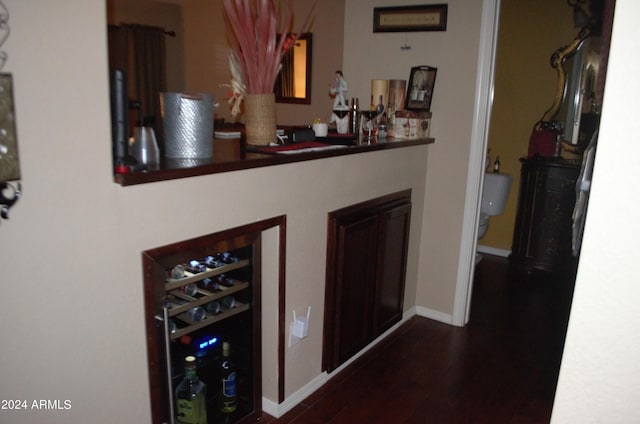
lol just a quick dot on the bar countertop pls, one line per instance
(230, 155)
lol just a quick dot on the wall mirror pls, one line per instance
(581, 106)
(580, 84)
(294, 81)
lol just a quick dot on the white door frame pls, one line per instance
(477, 155)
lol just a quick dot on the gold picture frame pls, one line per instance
(431, 17)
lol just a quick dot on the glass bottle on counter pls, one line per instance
(191, 396)
(227, 396)
(355, 113)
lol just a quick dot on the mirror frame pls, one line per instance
(308, 37)
(558, 62)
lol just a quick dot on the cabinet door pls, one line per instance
(393, 242)
(366, 260)
(355, 276)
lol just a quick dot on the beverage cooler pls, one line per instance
(199, 294)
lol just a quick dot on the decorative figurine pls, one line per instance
(341, 109)
(337, 92)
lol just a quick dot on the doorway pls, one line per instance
(491, 23)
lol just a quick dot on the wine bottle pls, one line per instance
(191, 396)
(227, 396)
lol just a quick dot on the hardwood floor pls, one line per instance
(501, 368)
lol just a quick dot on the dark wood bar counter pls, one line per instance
(231, 155)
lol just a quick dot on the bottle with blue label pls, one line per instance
(227, 396)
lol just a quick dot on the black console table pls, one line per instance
(543, 228)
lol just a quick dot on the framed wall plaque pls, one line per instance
(430, 17)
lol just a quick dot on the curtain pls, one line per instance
(139, 50)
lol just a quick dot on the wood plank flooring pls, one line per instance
(501, 368)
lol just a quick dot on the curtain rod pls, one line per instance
(164, 31)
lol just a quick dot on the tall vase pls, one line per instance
(260, 118)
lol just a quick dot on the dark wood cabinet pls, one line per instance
(543, 229)
(366, 268)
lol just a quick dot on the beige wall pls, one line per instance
(71, 300)
(70, 293)
(525, 85)
(370, 56)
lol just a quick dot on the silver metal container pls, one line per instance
(188, 125)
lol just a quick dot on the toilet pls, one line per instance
(494, 199)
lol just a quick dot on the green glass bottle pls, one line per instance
(191, 396)
(227, 396)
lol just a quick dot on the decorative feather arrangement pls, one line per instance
(252, 28)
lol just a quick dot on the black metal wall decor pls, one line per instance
(9, 164)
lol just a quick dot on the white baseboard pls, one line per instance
(279, 409)
(493, 251)
(434, 315)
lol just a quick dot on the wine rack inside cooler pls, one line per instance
(199, 293)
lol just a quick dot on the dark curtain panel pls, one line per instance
(139, 51)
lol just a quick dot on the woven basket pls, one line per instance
(260, 118)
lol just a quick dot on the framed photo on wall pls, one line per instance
(422, 79)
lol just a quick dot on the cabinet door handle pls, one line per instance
(167, 349)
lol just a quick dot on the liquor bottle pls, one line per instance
(191, 396)
(380, 106)
(355, 106)
(227, 371)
